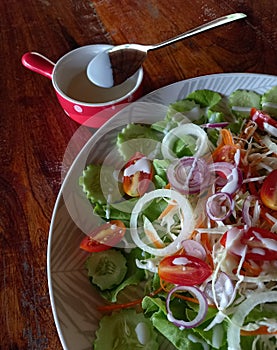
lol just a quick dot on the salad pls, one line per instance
(189, 213)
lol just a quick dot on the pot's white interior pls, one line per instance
(70, 78)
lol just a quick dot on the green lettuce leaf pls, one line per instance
(269, 101)
(205, 98)
(138, 138)
(241, 102)
(98, 182)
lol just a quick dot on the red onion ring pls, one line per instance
(216, 202)
(230, 176)
(203, 307)
(215, 125)
(188, 175)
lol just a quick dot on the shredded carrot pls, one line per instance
(263, 330)
(226, 138)
(154, 238)
(207, 244)
(112, 307)
(250, 269)
(193, 300)
(205, 241)
(167, 286)
(167, 210)
(226, 145)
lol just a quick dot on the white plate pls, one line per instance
(72, 297)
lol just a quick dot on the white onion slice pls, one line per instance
(203, 307)
(202, 141)
(237, 320)
(186, 216)
(248, 202)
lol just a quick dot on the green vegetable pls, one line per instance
(184, 146)
(269, 101)
(126, 330)
(117, 211)
(199, 107)
(156, 310)
(106, 269)
(160, 177)
(241, 101)
(205, 98)
(133, 276)
(98, 183)
(137, 138)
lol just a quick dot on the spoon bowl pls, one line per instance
(114, 66)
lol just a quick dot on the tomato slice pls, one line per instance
(261, 244)
(104, 237)
(184, 270)
(137, 175)
(225, 153)
(268, 192)
(262, 118)
(255, 239)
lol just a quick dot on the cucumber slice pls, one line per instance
(106, 269)
(126, 329)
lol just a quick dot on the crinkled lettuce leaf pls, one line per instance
(138, 138)
(205, 97)
(98, 182)
(241, 102)
(269, 101)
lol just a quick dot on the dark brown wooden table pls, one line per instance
(34, 131)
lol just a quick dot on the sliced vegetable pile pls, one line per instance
(191, 214)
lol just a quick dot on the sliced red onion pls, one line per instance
(194, 248)
(188, 175)
(215, 125)
(220, 206)
(248, 202)
(230, 176)
(203, 307)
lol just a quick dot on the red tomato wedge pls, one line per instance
(104, 237)
(268, 192)
(184, 270)
(262, 118)
(225, 153)
(137, 175)
(261, 244)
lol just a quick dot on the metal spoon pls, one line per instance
(114, 66)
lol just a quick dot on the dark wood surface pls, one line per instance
(34, 131)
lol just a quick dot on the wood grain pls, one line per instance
(236, 47)
(34, 131)
(34, 135)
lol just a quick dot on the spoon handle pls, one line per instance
(212, 24)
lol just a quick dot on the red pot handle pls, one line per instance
(38, 63)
